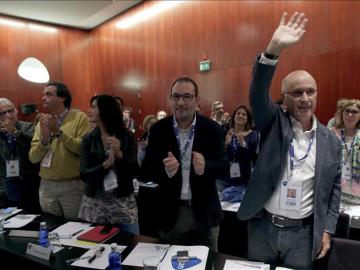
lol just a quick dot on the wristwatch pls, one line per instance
(271, 56)
(58, 134)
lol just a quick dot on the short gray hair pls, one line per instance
(5, 101)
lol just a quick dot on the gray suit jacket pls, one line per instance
(276, 134)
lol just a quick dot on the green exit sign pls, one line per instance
(205, 65)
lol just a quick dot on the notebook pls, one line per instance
(95, 235)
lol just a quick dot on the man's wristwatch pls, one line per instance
(271, 56)
(58, 134)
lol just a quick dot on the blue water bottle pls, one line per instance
(114, 258)
(43, 235)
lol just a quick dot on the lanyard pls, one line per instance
(234, 145)
(348, 151)
(292, 152)
(11, 142)
(190, 136)
(62, 117)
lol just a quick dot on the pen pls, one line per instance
(75, 233)
(97, 254)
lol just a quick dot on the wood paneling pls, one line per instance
(149, 56)
(63, 53)
(230, 33)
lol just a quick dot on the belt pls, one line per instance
(284, 222)
(185, 202)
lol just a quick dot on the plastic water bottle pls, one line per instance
(114, 258)
(43, 235)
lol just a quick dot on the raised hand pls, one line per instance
(287, 34)
(171, 164)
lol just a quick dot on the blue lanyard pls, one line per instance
(292, 152)
(191, 134)
(343, 142)
(234, 144)
(11, 142)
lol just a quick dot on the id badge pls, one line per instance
(290, 195)
(346, 171)
(110, 181)
(235, 170)
(12, 168)
(46, 161)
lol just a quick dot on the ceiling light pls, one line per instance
(31, 69)
(11, 23)
(147, 13)
(42, 28)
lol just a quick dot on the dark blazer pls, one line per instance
(92, 172)
(208, 140)
(276, 134)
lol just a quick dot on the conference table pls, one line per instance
(13, 250)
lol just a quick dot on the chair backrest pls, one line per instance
(344, 255)
(343, 226)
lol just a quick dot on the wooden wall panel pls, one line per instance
(230, 33)
(146, 58)
(61, 52)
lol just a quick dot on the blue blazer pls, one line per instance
(208, 140)
(276, 135)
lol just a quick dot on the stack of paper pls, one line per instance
(245, 265)
(143, 250)
(70, 230)
(99, 263)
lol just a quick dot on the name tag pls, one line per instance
(12, 168)
(38, 251)
(290, 195)
(46, 161)
(235, 170)
(346, 171)
(110, 181)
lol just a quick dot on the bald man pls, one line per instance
(292, 199)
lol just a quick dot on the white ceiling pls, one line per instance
(77, 14)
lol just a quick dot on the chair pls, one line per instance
(344, 255)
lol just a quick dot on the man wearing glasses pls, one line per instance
(19, 177)
(298, 155)
(185, 155)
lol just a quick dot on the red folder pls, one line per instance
(94, 234)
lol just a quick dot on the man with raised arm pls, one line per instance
(292, 200)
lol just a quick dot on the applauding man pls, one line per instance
(184, 156)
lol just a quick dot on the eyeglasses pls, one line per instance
(300, 92)
(7, 111)
(185, 97)
(349, 111)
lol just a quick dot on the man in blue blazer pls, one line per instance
(292, 200)
(185, 155)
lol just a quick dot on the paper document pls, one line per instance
(8, 212)
(200, 252)
(70, 230)
(100, 262)
(229, 206)
(245, 265)
(143, 250)
(19, 221)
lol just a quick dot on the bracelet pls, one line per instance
(270, 56)
(58, 134)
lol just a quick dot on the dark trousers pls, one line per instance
(187, 232)
(289, 247)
